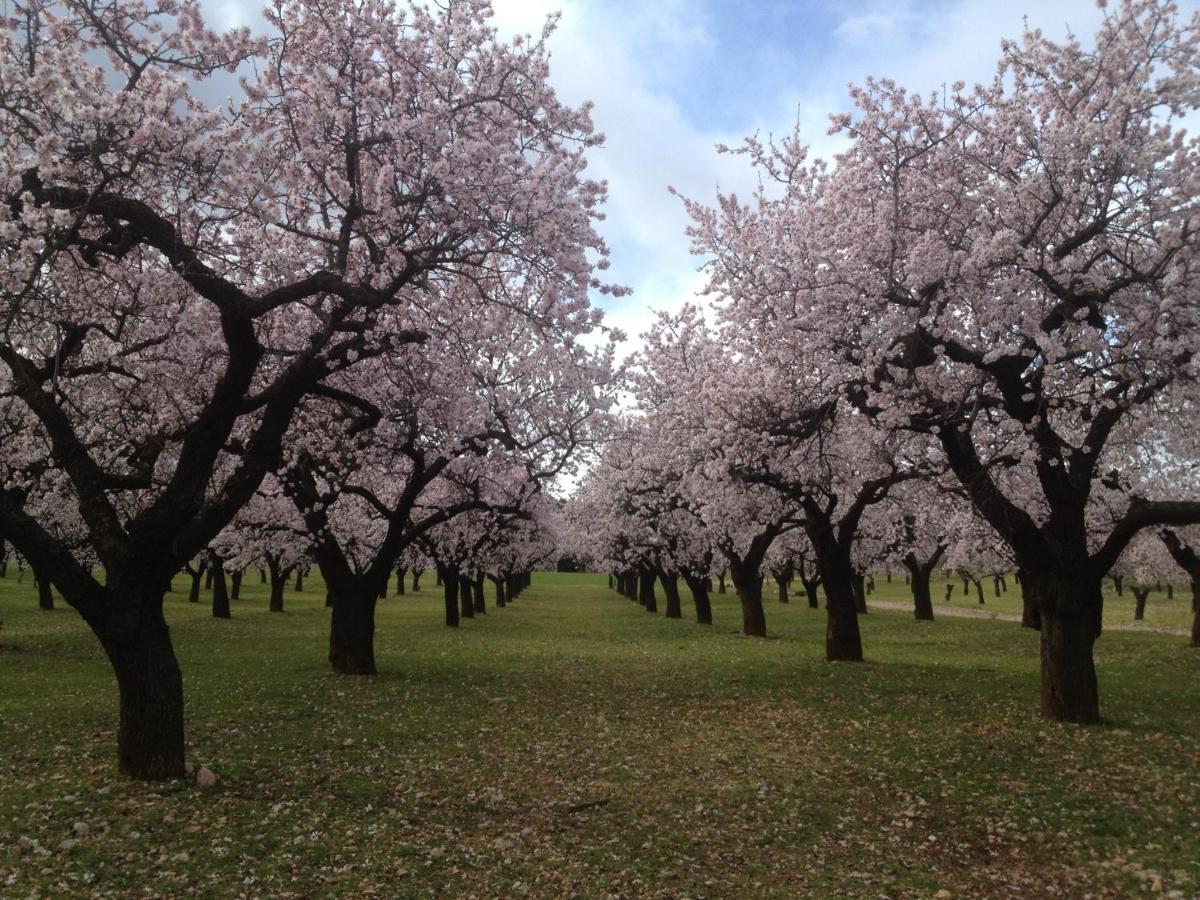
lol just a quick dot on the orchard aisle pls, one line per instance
(573, 743)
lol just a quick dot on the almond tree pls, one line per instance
(175, 276)
(1011, 270)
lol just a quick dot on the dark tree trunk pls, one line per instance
(465, 599)
(1170, 591)
(235, 585)
(610, 582)
(1031, 616)
(918, 579)
(477, 590)
(400, 573)
(1119, 583)
(843, 639)
(810, 590)
(299, 579)
(721, 583)
(949, 593)
(870, 584)
(45, 595)
(646, 591)
(979, 591)
(1196, 612)
(1139, 609)
(279, 579)
(860, 594)
(262, 575)
(197, 576)
(352, 630)
(150, 744)
(220, 592)
(328, 599)
(996, 579)
(1070, 609)
(417, 579)
(450, 595)
(501, 594)
(699, 589)
(748, 582)
(439, 579)
(781, 580)
(208, 579)
(670, 586)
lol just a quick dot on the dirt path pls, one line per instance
(958, 612)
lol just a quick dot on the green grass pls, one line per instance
(727, 767)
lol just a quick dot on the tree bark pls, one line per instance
(670, 586)
(150, 742)
(919, 578)
(352, 630)
(646, 594)
(721, 582)
(450, 597)
(748, 582)
(299, 579)
(860, 594)
(235, 585)
(197, 576)
(417, 579)
(699, 589)
(477, 590)
(1139, 609)
(400, 573)
(465, 599)
(279, 579)
(220, 592)
(843, 639)
(45, 595)
(782, 577)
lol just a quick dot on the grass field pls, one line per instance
(714, 765)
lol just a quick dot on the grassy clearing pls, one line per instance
(721, 766)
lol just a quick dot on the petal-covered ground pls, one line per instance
(574, 745)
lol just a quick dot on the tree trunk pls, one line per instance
(208, 579)
(235, 585)
(1119, 583)
(843, 639)
(262, 575)
(670, 586)
(782, 579)
(465, 599)
(450, 595)
(400, 573)
(150, 744)
(352, 631)
(417, 579)
(919, 578)
(748, 582)
(699, 589)
(197, 576)
(721, 583)
(501, 594)
(279, 579)
(1139, 609)
(1196, 612)
(45, 595)
(299, 579)
(220, 601)
(646, 591)
(860, 594)
(477, 589)
(1031, 616)
(1069, 610)
(979, 591)
(810, 590)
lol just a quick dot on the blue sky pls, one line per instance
(672, 79)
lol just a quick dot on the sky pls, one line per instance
(672, 79)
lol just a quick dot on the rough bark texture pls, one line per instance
(150, 743)
(477, 592)
(1139, 608)
(670, 586)
(466, 599)
(45, 595)
(450, 595)
(220, 591)
(646, 591)
(919, 577)
(699, 589)
(352, 632)
(748, 582)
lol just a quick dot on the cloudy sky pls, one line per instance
(671, 79)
